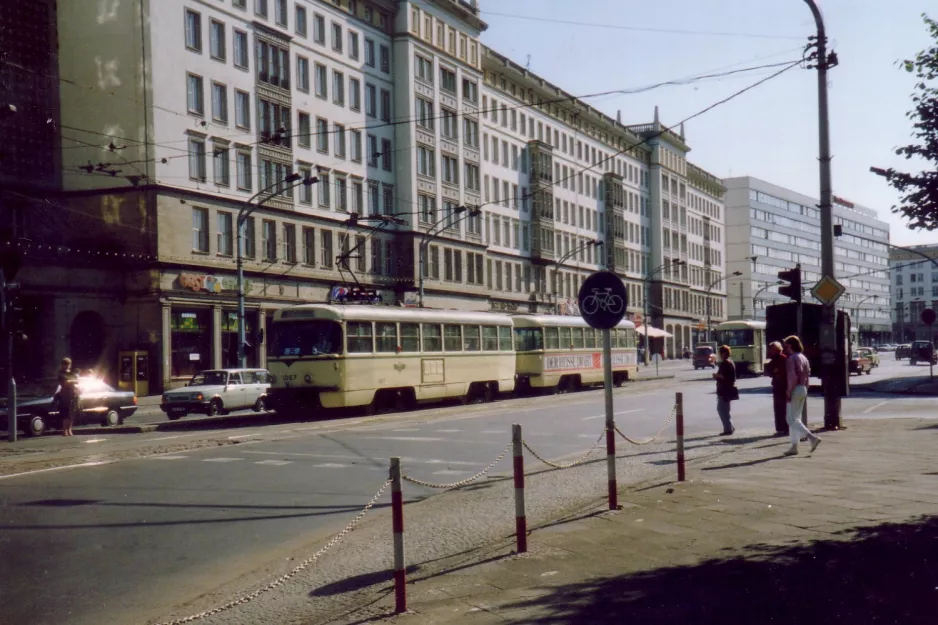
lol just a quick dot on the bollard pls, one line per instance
(610, 421)
(521, 522)
(679, 425)
(397, 521)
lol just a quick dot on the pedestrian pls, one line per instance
(68, 396)
(798, 373)
(726, 389)
(777, 369)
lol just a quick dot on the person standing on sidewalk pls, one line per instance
(68, 395)
(779, 373)
(726, 389)
(798, 372)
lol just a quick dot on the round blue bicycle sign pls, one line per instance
(603, 300)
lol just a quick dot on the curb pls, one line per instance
(652, 378)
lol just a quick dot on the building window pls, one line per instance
(269, 240)
(322, 135)
(319, 29)
(260, 8)
(449, 127)
(300, 21)
(385, 105)
(369, 52)
(336, 37)
(449, 165)
(217, 40)
(426, 162)
(324, 192)
(341, 194)
(424, 113)
(325, 246)
(200, 230)
(309, 246)
(353, 45)
(280, 12)
(427, 208)
(371, 101)
(250, 249)
(354, 94)
(448, 80)
(356, 146)
(386, 154)
(388, 208)
(304, 130)
(471, 132)
(385, 59)
(470, 91)
(472, 177)
(242, 110)
(338, 88)
(289, 243)
(306, 190)
(219, 103)
(241, 49)
(195, 102)
(221, 165)
(197, 159)
(357, 197)
(244, 171)
(423, 68)
(273, 64)
(373, 152)
(271, 119)
(374, 200)
(339, 141)
(240, 4)
(193, 31)
(322, 86)
(225, 233)
(302, 74)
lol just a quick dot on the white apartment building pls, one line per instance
(771, 229)
(914, 288)
(175, 114)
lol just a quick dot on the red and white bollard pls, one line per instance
(521, 522)
(397, 521)
(679, 426)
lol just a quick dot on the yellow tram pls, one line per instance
(746, 339)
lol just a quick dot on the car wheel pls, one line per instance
(112, 418)
(36, 426)
(214, 407)
(175, 417)
(260, 405)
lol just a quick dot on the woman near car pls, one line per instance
(726, 389)
(68, 395)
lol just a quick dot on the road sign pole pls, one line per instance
(610, 420)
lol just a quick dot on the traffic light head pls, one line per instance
(792, 290)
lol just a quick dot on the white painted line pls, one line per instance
(330, 465)
(95, 440)
(68, 466)
(168, 457)
(221, 459)
(231, 438)
(166, 438)
(406, 430)
(448, 431)
(465, 464)
(422, 439)
(603, 416)
(874, 407)
(274, 463)
(494, 432)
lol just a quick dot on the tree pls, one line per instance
(920, 190)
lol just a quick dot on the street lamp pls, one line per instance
(755, 298)
(857, 310)
(574, 251)
(291, 181)
(429, 235)
(709, 304)
(647, 285)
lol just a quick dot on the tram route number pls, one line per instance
(289, 378)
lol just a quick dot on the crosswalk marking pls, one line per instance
(221, 459)
(448, 431)
(273, 463)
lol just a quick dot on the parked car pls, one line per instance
(704, 356)
(870, 353)
(38, 405)
(903, 351)
(218, 391)
(923, 351)
(859, 363)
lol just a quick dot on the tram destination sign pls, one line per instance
(603, 300)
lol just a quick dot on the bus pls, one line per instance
(746, 339)
(561, 353)
(327, 356)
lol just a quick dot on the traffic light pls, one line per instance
(792, 290)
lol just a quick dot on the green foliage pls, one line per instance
(920, 190)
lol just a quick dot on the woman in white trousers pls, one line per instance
(799, 372)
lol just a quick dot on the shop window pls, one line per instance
(229, 339)
(191, 341)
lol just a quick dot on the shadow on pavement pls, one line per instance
(885, 574)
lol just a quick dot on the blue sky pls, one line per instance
(769, 132)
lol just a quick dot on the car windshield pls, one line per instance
(703, 351)
(209, 378)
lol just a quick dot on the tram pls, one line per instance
(746, 339)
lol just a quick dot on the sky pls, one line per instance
(769, 132)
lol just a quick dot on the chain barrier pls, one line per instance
(280, 580)
(468, 480)
(659, 433)
(566, 465)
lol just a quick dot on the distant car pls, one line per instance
(870, 353)
(923, 351)
(859, 363)
(903, 351)
(704, 356)
(218, 391)
(38, 405)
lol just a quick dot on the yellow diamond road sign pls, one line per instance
(828, 290)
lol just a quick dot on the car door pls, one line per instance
(251, 390)
(234, 392)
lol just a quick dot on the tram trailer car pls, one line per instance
(746, 339)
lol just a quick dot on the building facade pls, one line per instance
(914, 288)
(772, 229)
(430, 160)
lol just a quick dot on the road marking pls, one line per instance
(422, 439)
(448, 431)
(231, 438)
(168, 457)
(95, 440)
(602, 416)
(465, 464)
(874, 407)
(450, 472)
(68, 466)
(329, 465)
(406, 430)
(494, 432)
(274, 463)
(221, 459)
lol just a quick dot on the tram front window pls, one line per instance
(528, 339)
(305, 338)
(735, 338)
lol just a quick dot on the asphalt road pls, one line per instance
(117, 542)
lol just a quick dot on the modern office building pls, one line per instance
(440, 173)
(771, 229)
(914, 288)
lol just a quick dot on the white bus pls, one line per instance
(746, 340)
(560, 353)
(346, 356)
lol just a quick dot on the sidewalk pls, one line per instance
(846, 535)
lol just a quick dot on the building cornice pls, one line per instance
(465, 10)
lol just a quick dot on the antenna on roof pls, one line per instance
(527, 64)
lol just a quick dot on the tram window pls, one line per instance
(576, 337)
(470, 338)
(305, 338)
(410, 337)
(386, 337)
(432, 338)
(490, 338)
(359, 337)
(631, 338)
(528, 339)
(452, 338)
(551, 339)
(564, 338)
(735, 338)
(504, 338)
(590, 338)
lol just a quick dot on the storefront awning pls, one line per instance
(653, 332)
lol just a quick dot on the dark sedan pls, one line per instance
(38, 405)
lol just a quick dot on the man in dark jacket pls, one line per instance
(776, 369)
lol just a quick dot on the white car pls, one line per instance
(218, 391)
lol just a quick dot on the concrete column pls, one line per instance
(262, 347)
(166, 347)
(216, 337)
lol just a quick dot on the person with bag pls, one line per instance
(68, 396)
(799, 373)
(726, 389)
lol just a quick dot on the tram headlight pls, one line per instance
(308, 378)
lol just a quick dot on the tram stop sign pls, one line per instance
(603, 299)
(928, 316)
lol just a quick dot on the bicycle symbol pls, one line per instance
(602, 299)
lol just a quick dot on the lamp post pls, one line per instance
(573, 252)
(755, 298)
(857, 310)
(676, 263)
(429, 235)
(709, 303)
(291, 181)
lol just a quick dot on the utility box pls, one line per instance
(134, 368)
